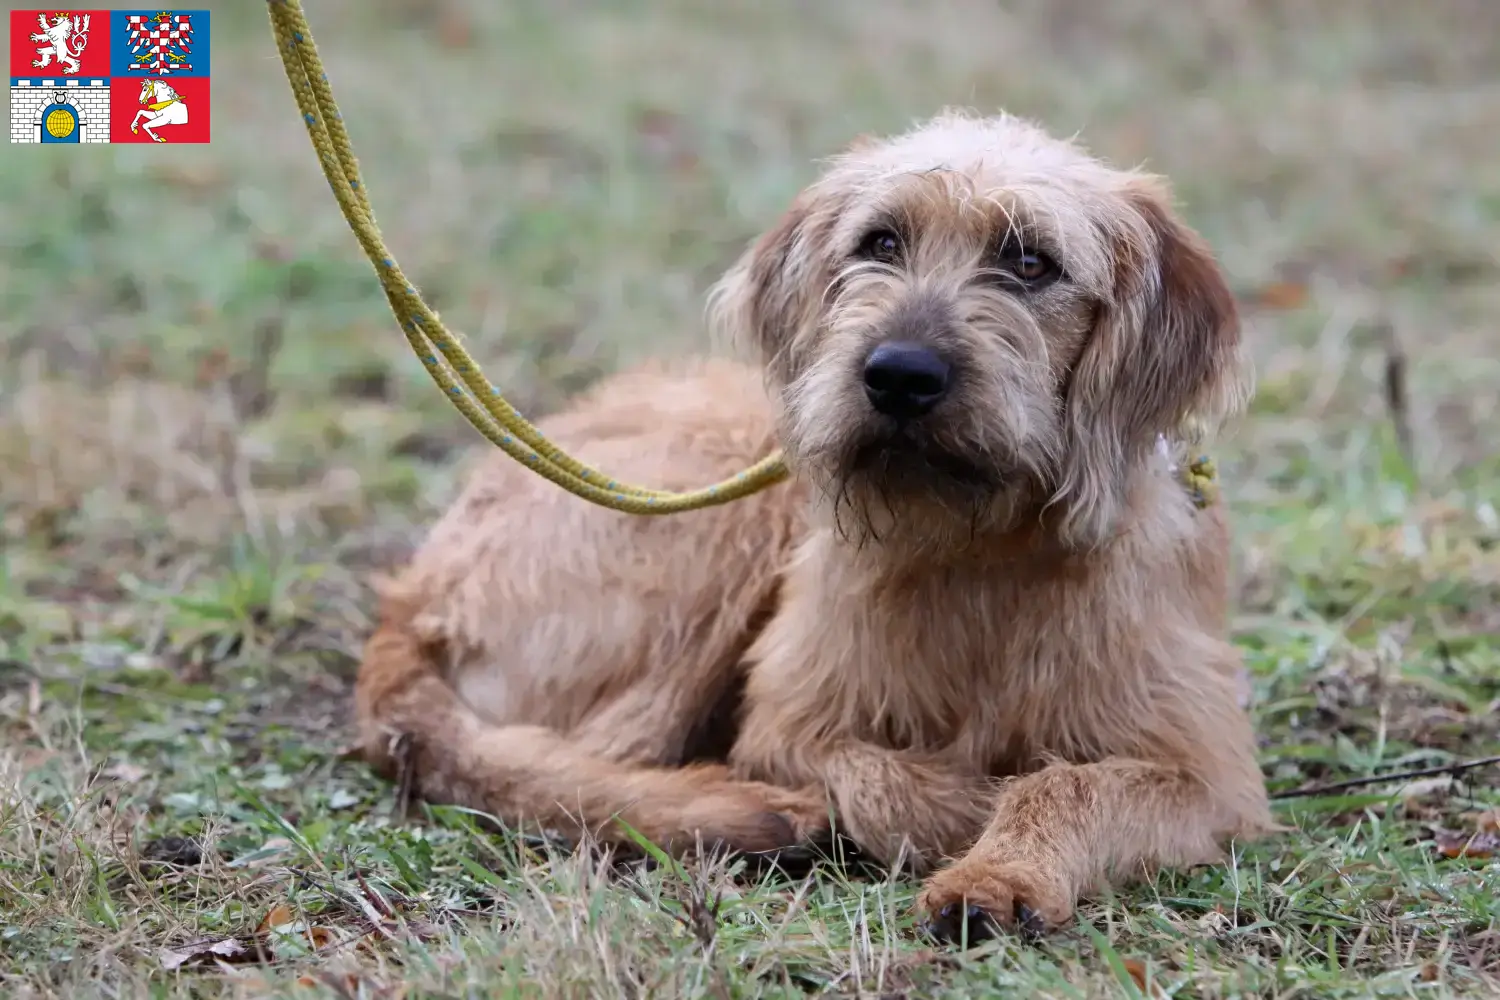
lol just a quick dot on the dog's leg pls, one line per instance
(904, 807)
(1065, 831)
(534, 776)
(908, 809)
(912, 805)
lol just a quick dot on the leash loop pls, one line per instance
(450, 365)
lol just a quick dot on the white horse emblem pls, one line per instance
(62, 37)
(163, 106)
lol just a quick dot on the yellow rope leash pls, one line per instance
(440, 352)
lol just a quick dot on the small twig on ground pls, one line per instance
(404, 755)
(1423, 772)
(375, 899)
(1397, 398)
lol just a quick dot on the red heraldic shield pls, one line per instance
(59, 44)
(160, 109)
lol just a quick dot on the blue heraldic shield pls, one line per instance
(60, 122)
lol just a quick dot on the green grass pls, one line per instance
(211, 436)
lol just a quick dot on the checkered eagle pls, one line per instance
(159, 44)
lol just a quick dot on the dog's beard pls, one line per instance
(899, 480)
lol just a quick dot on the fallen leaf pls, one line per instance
(205, 951)
(1281, 295)
(281, 920)
(1458, 844)
(1138, 972)
(279, 916)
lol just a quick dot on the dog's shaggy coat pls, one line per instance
(984, 625)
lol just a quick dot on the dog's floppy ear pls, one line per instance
(767, 296)
(1163, 358)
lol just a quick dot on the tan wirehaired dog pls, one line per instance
(984, 622)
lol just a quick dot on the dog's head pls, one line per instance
(975, 322)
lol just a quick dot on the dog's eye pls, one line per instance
(880, 245)
(1032, 268)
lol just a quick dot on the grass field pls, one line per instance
(211, 434)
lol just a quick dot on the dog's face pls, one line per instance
(975, 323)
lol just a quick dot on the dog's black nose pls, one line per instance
(905, 380)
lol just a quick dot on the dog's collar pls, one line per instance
(1200, 477)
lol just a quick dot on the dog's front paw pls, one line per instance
(972, 900)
